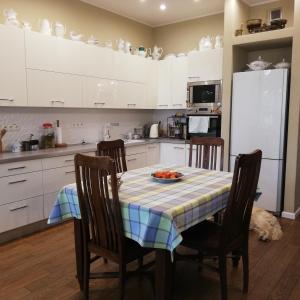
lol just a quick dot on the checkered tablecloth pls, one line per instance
(154, 214)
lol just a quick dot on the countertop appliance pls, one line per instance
(206, 96)
(154, 131)
(177, 127)
(259, 110)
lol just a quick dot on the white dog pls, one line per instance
(265, 224)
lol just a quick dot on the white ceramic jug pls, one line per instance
(59, 29)
(157, 53)
(121, 45)
(10, 17)
(45, 27)
(127, 47)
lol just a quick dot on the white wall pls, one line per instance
(30, 120)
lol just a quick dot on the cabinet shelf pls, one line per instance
(265, 40)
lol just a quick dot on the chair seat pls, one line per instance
(133, 251)
(204, 237)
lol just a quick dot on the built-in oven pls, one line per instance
(204, 125)
(204, 95)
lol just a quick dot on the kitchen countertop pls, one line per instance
(9, 157)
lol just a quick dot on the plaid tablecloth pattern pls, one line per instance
(154, 214)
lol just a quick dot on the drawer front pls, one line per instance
(19, 187)
(135, 149)
(20, 167)
(21, 213)
(49, 200)
(136, 161)
(58, 162)
(55, 179)
(153, 154)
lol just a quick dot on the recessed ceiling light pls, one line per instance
(163, 6)
(196, 0)
(142, 0)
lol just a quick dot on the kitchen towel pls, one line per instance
(198, 124)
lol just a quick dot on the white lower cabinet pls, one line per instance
(172, 154)
(49, 200)
(136, 161)
(17, 214)
(153, 154)
(19, 187)
(50, 89)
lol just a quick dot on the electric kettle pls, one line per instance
(154, 131)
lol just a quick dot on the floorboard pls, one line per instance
(42, 266)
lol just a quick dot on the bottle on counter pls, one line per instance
(48, 137)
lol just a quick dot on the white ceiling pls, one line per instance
(148, 12)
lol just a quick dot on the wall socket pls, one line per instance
(78, 125)
(12, 127)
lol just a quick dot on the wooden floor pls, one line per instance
(42, 267)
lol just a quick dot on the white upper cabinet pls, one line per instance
(179, 73)
(129, 67)
(205, 65)
(152, 84)
(51, 53)
(53, 89)
(129, 95)
(172, 83)
(98, 93)
(164, 84)
(96, 61)
(12, 61)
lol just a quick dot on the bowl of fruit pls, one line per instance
(167, 176)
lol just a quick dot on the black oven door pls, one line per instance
(214, 127)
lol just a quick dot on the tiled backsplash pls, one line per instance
(29, 120)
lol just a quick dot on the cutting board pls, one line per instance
(2, 133)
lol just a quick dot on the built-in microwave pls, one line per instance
(205, 95)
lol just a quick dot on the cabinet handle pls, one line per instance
(178, 148)
(17, 208)
(69, 160)
(7, 99)
(19, 181)
(152, 147)
(17, 168)
(177, 104)
(70, 172)
(133, 159)
(131, 104)
(57, 101)
(163, 105)
(99, 103)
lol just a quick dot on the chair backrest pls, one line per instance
(205, 151)
(237, 215)
(115, 150)
(99, 205)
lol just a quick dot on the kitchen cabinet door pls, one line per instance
(51, 53)
(164, 84)
(136, 161)
(51, 89)
(205, 65)
(98, 93)
(129, 95)
(173, 154)
(179, 82)
(153, 154)
(12, 61)
(151, 84)
(96, 61)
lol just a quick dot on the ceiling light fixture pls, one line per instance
(163, 6)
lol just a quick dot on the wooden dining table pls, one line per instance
(154, 213)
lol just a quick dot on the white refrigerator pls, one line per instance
(258, 121)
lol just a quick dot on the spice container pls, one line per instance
(48, 137)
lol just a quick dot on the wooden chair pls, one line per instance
(115, 150)
(102, 223)
(212, 239)
(206, 152)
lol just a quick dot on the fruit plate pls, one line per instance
(179, 176)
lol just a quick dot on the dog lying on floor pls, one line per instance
(265, 224)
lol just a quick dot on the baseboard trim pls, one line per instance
(289, 215)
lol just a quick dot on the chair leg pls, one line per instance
(223, 276)
(86, 274)
(122, 280)
(245, 258)
(140, 267)
(236, 256)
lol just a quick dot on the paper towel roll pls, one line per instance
(59, 135)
